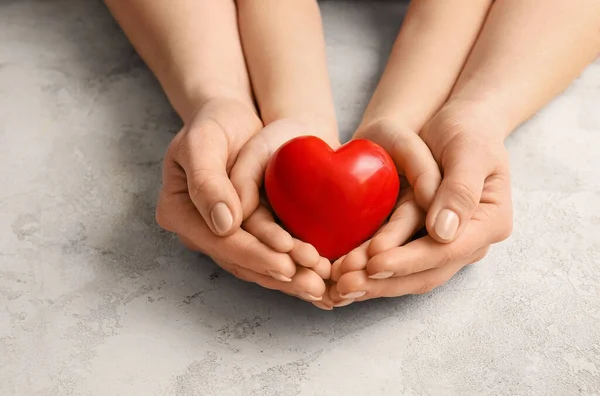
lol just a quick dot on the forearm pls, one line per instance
(285, 52)
(527, 53)
(192, 46)
(426, 60)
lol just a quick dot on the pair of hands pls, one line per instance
(213, 174)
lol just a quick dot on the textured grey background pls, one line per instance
(96, 300)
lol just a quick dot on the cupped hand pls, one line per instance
(420, 179)
(247, 175)
(199, 203)
(471, 210)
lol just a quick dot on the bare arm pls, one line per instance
(528, 52)
(429, 53)
(192, 47)
(285, 50)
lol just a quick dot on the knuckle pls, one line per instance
(174, 148)
(452, 255)
(463, 194)
(390, 263)
(204, 183)
(243, 249)
(427, 286)
(235, 271)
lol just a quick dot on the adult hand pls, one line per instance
(471, 210)
(199, 203)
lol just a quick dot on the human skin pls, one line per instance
(202, 70)
(426, 59)
(526, 53)
(285, 53)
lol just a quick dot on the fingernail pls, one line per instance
(353, 295)
(279, 276)
(343, 303)
(446, 224)
(310, 297)
(323, 306)
(382, 275)
(221, 217)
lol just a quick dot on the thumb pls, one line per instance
(203, 152)
(412, 159)
(248, 172)
(247, 175)
(459, 194)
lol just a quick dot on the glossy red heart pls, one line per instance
(334, 200)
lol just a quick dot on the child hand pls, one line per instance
(247, 176)
(195, 179)
(476, 187)
(421, 179)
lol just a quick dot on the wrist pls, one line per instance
(391, 115)
(320, 126)
(376, 129)
(459, 116)
(234, 116)
(192, 96)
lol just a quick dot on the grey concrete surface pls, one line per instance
(96, 300)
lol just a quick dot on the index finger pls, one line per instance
(240, 247)
(425, 253)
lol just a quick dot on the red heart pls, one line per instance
(334, 200)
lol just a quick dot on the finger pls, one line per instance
(336, 271)
(308, 285)
(262, 225)
(465, 170)
(202, 152)
(403, 224)
(323, 268)
(355, 260)
(337, 299)
(413, 159)
(418, 283)
(322, 306)
(425, 253)
(325, 303)
(304, 254)
(253, 277)
(354, 285)
(240, 247)
(247, 175)
(334, 294)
